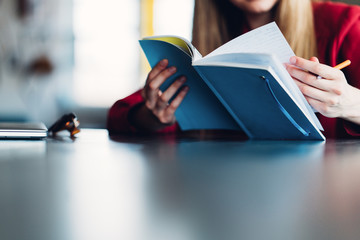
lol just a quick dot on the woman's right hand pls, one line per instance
(156, 101)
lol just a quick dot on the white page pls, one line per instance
(270, 40)
(266, 39)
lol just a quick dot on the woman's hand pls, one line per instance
(329, 94)
(157, 112)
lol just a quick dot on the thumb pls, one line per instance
(314, 59)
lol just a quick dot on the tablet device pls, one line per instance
(22, 130)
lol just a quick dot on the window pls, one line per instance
(173, 17)
(106, 50)
(107, 53)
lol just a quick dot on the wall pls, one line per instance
(35, 59)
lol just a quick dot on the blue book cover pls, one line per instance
(235, 90)
(200, 109)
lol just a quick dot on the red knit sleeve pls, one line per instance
(118, 116)
(338, 39)
(350, 49)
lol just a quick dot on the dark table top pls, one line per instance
(96, 187)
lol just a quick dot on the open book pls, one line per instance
(242, 85)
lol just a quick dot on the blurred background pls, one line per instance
(60, 56)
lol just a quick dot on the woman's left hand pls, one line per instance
(329, 94)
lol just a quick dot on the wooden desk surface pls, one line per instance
(144, 188)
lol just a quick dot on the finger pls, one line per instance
(177, 101)
(309, 78)
(316, 104)
(152, 87)
(160, 66)
(314, 59)
(163, 100)
(322, 108)
(314, 93)
(173, 88)
(314, 67)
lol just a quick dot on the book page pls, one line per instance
(177, 41)
(180, 42)
(264, 61)
(266, 39)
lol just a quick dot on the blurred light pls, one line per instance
(106, 50)
(172, 17)
(107, 53)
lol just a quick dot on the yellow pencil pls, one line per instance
(340, 66)
(343, 64)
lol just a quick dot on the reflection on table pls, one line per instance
(96, 187)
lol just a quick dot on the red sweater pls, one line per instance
(337, 27)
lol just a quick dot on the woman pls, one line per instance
(330, 31)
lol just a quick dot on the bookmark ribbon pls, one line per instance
(283, 110)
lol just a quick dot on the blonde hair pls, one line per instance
(218, 21)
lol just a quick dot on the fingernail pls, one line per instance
(163, 62)
(293, 60)
(172, 69)
(182, 79)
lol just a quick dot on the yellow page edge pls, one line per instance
(181, 43)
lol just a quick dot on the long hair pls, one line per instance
(218, 21)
